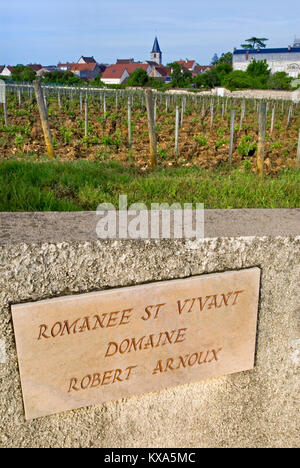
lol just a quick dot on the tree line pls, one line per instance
(257, 76)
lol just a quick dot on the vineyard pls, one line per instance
(191, 130)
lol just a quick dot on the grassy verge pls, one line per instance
(82, 185)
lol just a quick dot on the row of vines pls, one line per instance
(194, 129)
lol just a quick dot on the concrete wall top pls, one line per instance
(81, 226)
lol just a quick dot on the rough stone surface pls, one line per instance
(258, 408)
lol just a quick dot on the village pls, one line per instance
(279, 60)
(88, 68)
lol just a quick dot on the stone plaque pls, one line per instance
(82, 350)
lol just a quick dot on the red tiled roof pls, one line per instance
(162, 70)
(83, 66)
(114, 71)
(67, 64)
(131, 67)
(201, 69)
(186, 63)
(35, 66)
(122, 61)
(117, 70)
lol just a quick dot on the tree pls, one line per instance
(226, 58)
(209, 79)
(256, 76)
(259, 68)
(255, 42)
(213, 77)
(22, 73)
(97, 81)
(280, 80)
(138, 78)
(238, 79)
(157, 84)
(58, 76)
(180, 76)
(214, 60)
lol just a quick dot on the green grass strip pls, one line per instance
(82, 185)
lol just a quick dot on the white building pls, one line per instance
(279, 60)
(118, 73)
(7, 71)
(85, 60)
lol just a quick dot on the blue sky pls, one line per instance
(43, 31)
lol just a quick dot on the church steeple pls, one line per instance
(156, 54)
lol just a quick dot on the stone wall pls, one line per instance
(266, 94)
(259, 94)
(246, 93)
(50, 255)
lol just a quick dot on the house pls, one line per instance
(7, 71)
(118, 73)
(131, 67)
(187, 64)
(279, 60)
(86, 71)
(199, 69)
(65, 66)
(1, 68)
(115, 74)
(159, 72)
(125, 61)
(86, 60)
(35, 67)
(46, 69)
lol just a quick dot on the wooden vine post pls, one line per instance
(290, 116)
(261, 138)
(182, 112)
(298, 151)
(243, 110)
(86, 116)
(3, 100)
(177, 123)
(129, 127)
(212, 106)
(44, 118)
(19, 96)
(231, 136)
(104, 106)
(272, 121)
(151, 127)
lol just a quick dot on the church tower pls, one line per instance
(156, 55)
